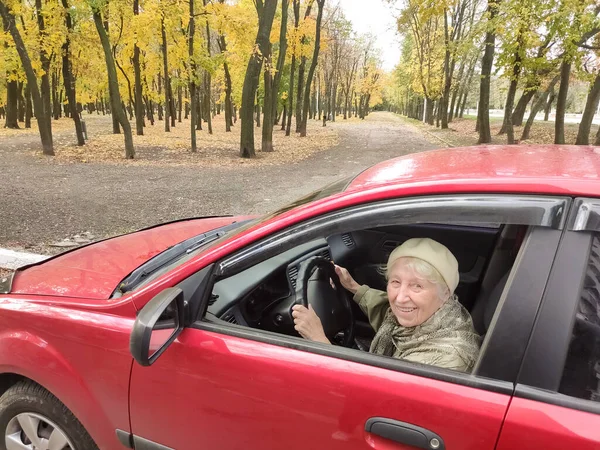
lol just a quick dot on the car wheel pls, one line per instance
(31, 418)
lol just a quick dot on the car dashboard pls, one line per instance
(245, 298)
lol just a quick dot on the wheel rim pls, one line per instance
(30, 431)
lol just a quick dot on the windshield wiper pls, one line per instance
(172, 254)
(166, 257)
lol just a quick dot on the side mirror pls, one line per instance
(156, 326)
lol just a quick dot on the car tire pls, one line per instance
(28, 399)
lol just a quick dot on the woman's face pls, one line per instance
(412, 298)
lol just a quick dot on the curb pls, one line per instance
(439, 138)
(12, 260)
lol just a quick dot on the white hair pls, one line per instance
(424, 270)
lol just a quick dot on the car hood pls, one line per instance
(94, 271)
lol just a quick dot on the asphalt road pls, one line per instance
(42, 203)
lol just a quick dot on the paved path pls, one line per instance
(41, 203)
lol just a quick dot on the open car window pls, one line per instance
(487, 233)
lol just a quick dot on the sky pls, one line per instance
(376, 17)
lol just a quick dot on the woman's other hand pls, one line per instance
(308, 324)
(346, 279)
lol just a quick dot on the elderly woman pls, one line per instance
(419, 318)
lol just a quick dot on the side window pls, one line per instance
(581, 375)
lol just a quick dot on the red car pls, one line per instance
(180, 336)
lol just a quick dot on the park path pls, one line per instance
(42, 203)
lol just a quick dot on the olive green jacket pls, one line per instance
(447, 339)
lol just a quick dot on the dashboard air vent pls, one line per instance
(347, 239)
(389, 246)
(293, 275)
(326, 254)
(230, 317)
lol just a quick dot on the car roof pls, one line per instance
(564, 168)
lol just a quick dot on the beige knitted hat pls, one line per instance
(433, 253)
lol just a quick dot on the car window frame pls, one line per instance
(543, 365)
(545, 212)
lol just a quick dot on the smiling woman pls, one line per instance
(419, 318)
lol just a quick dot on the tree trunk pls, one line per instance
(464, 90)
(55, 101)
(172, 105)
(334, 102)
(455, 91)
(507, 125)
(207, 79)
(68, 78)
(179, 103)
(548, 107)
(301, 68)
(272, 82)
(284, 117)
(443, 104)
(266, 13)
(44, 124)
(538, 105)
(591, 106)
(192, 77)
(257, 109)
(115, 120)
(429, 111)
(296, 4)
(139, 107)
(519, 111)
(149, 110)
(311, 70)
(166, 72)
(485, 136)
(20, 102)
(228, 104)
(113, 86)
(45, 62)
(314, 99)
(199, 112)
(28, 107)
(561, 103)
(12, 97)
(597, 141)
(267, 128)
(186, 106)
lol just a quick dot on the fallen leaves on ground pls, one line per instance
(157, 147)
(461, 132)
(57, 126)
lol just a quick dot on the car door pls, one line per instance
(557, 398)
(220, 385)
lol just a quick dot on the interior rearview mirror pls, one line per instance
(157, 325)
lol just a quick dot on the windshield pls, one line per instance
(184, 251)
(326, 191)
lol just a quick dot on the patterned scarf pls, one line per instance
(447, 333)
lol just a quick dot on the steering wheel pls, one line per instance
(332, 305)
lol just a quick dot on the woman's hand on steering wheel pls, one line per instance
(308, 324)
(346, 279)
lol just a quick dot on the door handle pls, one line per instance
(404, 433)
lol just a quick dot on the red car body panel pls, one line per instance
(223, 392)
(531, 425)
(59, 328)
(555, 164)
(94, 271)
(81, 356)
